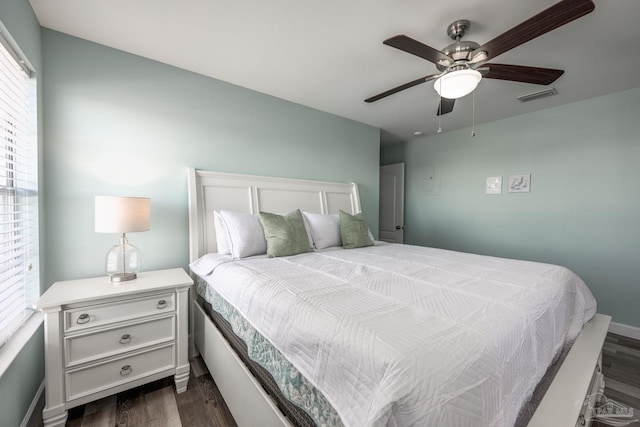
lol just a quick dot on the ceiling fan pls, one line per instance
(462, 64)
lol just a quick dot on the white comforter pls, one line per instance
(401, 335)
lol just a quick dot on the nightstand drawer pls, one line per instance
(103, 376)
(94, 345)
(95, 315)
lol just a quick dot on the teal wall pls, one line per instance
(583, 210)
(18, 385)
(391, 154)
(118, 124)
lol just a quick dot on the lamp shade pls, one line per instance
(122, 214)
(457, 84)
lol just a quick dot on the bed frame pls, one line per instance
(569, 400)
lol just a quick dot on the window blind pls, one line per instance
(19, 267)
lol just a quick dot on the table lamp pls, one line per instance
(122, 215)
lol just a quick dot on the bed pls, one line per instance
(400, 361)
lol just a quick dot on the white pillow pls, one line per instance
(222, 235)
(308, 228)
(325, 229)
(246, 235)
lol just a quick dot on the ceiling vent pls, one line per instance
(538, 95)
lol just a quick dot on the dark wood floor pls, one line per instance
(157, 405)
(621, 368)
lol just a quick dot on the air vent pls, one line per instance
(538, 95)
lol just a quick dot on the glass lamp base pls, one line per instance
(123, 261)
(123, 277)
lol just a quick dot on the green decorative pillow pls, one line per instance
(354, 231)
(286, 235)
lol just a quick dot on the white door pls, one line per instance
(392, 203)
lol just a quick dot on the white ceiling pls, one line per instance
(328, 54)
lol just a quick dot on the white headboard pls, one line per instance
(209, 191)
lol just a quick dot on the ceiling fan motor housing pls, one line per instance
(460, 51)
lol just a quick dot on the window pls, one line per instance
(19, 267)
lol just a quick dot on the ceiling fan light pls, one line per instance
(457, 84)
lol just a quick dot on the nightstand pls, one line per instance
(102, 337)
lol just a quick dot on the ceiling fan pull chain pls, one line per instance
(440, 118)
(473, 113)
(440, 109)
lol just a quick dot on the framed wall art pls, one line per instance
(520, 183)
(494, 185)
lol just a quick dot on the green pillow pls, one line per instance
(354, 231)
(286, 235)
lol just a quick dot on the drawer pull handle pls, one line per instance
(162, 304)
(83, 318)
(125, 339)
(125, 370)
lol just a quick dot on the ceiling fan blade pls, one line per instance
(414, 47)
(556, 16)
(445, 106)
(520, 73)
(402, 87)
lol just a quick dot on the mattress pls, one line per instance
(296, 397)
(405, 335)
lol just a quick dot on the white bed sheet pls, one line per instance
(401, 335)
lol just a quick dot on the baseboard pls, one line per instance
(32, 407)
(625, 330)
